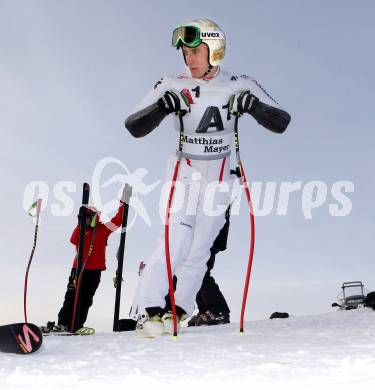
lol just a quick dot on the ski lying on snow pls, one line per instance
(85, 331)
(21, 338)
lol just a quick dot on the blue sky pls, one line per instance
(71, 71)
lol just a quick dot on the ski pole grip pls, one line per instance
(127, 193)
(39, 206)
(36, 205)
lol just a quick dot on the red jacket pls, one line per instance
(102, 231)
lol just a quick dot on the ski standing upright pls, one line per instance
(85, 201)
(120, 257)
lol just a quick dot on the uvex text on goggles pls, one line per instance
(192, 36)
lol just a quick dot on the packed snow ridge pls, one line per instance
(327, 351)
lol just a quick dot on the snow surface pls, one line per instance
(327, 351)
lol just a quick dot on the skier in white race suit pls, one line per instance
(208, 99)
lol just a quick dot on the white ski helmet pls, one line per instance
(193, 33)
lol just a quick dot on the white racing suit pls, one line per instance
(208, 139)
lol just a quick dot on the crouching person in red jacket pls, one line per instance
(94, 262)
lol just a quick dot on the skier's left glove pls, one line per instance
(177, 102)
(242, 102)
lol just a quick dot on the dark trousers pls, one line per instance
(209, 297)
(89, 284)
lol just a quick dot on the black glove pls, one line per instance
(177, 102)
(242, 102)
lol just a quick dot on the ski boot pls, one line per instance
(209, 318)
(167, 321)
(85, 331)
(149, 323)
(52, 328)
(193, 320)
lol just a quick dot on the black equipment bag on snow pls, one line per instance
(370, 300)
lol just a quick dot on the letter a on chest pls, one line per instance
(211, 118)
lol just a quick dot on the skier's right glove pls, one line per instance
(176, 102)
(242, 102)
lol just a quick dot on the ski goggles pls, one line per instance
(186, 35)
(192, 36)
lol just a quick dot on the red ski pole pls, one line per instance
(252, 226)
(166, 230)
(37, 205)
(167, 252)
(80, 254)
(251, 251)
(79, 280)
